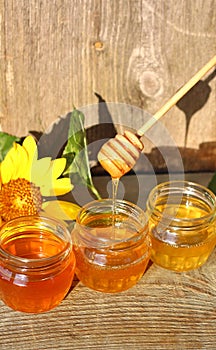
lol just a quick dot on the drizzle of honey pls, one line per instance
(115, 183)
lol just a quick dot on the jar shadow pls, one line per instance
(73, 285)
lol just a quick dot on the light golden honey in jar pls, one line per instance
(182, 222)
(112, 249)
(37, 263)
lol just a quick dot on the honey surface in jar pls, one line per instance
(184, 247)
(38, 287)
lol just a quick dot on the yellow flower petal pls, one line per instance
(22, 158)
(7, 169)
(55, 188)
(39, 170)
(22, 163)
(45, 173)
(61, 209)
(62, 186)
(15, 163)
(57, 167)
(53, 170)
(31, 147)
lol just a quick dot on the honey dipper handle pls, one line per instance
(176, 97)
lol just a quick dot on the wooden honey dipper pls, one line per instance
(118, 155)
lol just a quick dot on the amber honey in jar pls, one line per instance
(182, 222)
(37, 263)
(111, 245)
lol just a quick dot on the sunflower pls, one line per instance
(25, 181)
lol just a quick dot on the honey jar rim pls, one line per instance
(184, 186)
(107, 242)
(36, 263)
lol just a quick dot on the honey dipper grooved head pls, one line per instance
(118, 155)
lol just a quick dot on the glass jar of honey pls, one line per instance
(37, 263)
(111, 245)
(182, 223)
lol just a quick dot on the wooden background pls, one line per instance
(61, 53)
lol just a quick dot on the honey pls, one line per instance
(36, 263)
(111, 253)
(182, 225)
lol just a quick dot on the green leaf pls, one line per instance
(76, 153)
(6, 142)
(212, 184)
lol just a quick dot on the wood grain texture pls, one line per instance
(164, 311)
(56, 54)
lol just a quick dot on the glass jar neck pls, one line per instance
(35, 233)
(182, 204)
(101, 225)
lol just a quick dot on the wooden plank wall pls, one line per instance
(58, 54)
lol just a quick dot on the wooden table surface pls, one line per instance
(165, 310)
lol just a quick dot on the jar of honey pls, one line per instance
(182, 223)
(111, 245)
(37, 263)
